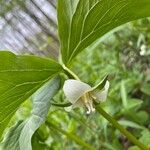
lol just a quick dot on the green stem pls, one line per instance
(120, 128)
(70, 72)
(71, 136)
(61, 105)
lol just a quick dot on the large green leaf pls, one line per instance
(19, 137)
(66, 10)
(87, 20)
(20, 77)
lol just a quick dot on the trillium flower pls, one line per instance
(81, 94)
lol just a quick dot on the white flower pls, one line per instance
(143, 50)
(81, 94)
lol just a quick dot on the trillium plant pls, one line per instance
(80, 24)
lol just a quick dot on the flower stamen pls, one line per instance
(88, 103)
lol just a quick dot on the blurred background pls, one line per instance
(30, 27)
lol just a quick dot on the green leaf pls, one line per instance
(133, 103)
(20, 77)
(66, 10)
(87, 20)
(37, 144)
(19, 136)
(146, 138)
(142, 117)
(131, 124)
(123, 94)
(101, 84)
(146, 89)
(128, 103)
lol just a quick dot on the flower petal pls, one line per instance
(102, 95)
(74, 89)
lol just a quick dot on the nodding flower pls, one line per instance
(80, 94)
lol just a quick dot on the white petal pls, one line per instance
(74, 89)
(101, 96)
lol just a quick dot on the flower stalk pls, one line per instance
(70, 72)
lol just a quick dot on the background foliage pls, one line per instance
(125, 56)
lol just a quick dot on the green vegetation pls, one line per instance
(121, 57)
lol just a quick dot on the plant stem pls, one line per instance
(120, 128)
(71, 136)
(61, 105)
(70, 72)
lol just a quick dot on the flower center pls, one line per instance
(88, 101)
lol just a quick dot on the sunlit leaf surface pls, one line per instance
(20, 77)
(84, 21)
